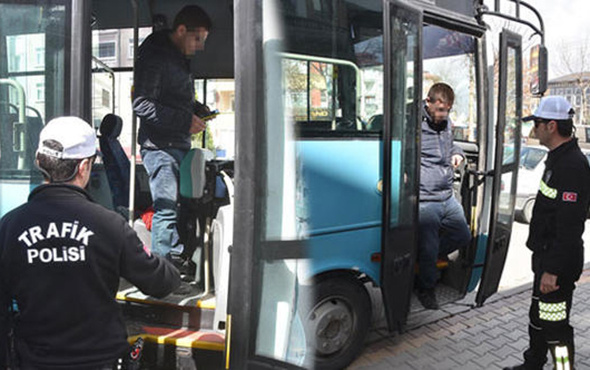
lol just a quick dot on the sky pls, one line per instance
(567, 25)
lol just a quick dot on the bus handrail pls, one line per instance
(359, 84)
(21, 120)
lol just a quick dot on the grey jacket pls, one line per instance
(436, 168)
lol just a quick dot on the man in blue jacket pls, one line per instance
(443, 227)
(164, 99)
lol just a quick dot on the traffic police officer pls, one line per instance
(555, 236)
(61, 257)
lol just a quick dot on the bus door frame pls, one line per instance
(399, 242)
(499, 232)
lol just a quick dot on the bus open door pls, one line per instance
(403, 31)
(506, 159)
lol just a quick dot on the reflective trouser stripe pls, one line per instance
(552, 311)
(547, 191)
(562, 361)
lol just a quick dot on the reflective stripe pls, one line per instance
(552, 311)
(562, 360)
(547, 191)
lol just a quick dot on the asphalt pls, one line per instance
(460, 336)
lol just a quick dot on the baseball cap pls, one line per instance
(74, 134)
(552, 108)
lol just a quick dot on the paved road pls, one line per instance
(489, 337)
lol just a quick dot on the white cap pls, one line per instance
(74, 134)
(553, 108)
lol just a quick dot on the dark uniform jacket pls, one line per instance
(436, 168)
(61, 259)
(164, 94)
(559, 214)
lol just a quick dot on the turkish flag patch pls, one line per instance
(569, 196)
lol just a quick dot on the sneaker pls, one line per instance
(184, 266)
(517, 367)
(428, 299)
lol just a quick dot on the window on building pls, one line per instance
(107, 49)
(131, 46)
(106, 98)
(40, 92)
(40, 57)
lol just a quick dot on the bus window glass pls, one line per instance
(32, 69)
(218, 94)
(323, 77)
(309, 88)
(510, 137)
(404, 127)
(114, 47)
(103, 91)
(449, 56)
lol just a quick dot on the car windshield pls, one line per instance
(530, 157)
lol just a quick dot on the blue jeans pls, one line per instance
(163, 168)
(443, 229)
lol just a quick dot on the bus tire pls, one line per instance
(337, 321)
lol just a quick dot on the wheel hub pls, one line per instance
(331, 322)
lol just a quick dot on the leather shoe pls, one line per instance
(428, 299)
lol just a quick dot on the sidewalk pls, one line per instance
(489, 337)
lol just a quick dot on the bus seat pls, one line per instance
(7, 154)
(375, 123)
(9, 157)
(192, 173)
(115, 160)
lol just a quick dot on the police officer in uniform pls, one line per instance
(61, 257)
(555, 236)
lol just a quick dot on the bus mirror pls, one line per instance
(538, 69)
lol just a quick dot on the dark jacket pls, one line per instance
(164, 94)
(61, 259)
(436, 168)
(559, 214)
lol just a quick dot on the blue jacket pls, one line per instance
(164, 94)
(436, 168)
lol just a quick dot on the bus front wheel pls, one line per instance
(338, 321)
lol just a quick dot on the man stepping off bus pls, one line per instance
(443, 228)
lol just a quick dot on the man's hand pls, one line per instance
(197, 125)
(456, 160)
(548, 283)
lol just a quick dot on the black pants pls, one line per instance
(549, 327)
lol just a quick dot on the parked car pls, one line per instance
(532, 164)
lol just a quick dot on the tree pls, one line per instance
(574, 61)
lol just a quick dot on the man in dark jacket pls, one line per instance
(164, 99)
(555, 236)
(61, 259)
(443, 228)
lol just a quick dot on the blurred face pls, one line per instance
(194, 40)
(542, 131)
(438, 110)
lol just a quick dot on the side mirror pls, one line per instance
(538, 70)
